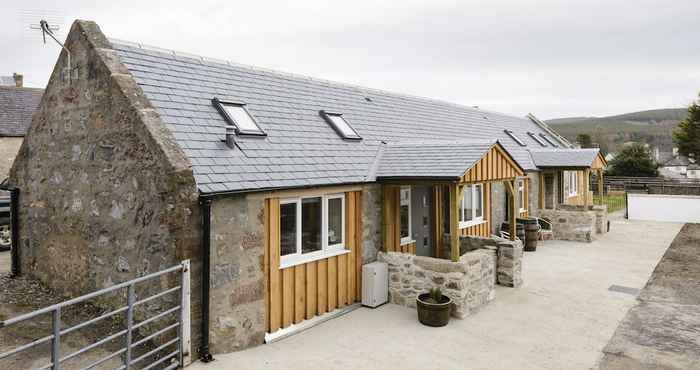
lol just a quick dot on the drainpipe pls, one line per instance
(205, 206)
(14, 227)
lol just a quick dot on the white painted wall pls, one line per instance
(661, 207)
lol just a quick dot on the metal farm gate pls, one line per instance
(179, 345)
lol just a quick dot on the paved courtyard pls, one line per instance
(561, 318)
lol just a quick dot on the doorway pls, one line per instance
(420, 220)
(549, 191)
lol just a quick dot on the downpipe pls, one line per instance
(205, 207)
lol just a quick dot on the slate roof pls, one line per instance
(17, 104)
(547, 158)
(680, 160)
(300, 148)
(430, 159)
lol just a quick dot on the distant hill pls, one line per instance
(653, 127)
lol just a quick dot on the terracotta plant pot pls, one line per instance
(433, 314)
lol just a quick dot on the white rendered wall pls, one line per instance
(661, 207)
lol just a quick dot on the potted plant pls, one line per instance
(433, 308)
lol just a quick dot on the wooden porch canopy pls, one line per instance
(585, 160)
(452, 164)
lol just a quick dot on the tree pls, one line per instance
(633, 160)
(687, 135)
(584, 140)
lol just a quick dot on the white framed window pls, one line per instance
(571, 183)
(311, 228)
(471, 207)
(405, 215)
(521, 195)
(340, 125)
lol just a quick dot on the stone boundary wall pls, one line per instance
(571, 223)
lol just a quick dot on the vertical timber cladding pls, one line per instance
(391, 233)
(303, 291)
(495, 165)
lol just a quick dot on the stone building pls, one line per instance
(17, 104)
(143, 157)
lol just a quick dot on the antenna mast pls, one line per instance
(47, 29)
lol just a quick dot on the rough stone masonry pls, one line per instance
(469, 282)
(106, 194)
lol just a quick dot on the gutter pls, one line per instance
(205, 208)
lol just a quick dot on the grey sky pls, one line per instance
(552, 58)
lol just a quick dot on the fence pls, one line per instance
(181, 354)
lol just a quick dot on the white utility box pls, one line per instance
(375, 284)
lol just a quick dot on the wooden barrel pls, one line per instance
(532, 228)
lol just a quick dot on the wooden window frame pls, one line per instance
(299, 258)
(521, 195)
(475, 220)
(407, 239)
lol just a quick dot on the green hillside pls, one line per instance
(653, 127)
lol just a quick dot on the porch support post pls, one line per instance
(438, 213)
(541, 191)
(587, 187)
(510, 188)
(454, 222)
(600, 185)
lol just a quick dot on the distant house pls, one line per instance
(17, 104)
(675, 167)
(286, 184)
(693, 171)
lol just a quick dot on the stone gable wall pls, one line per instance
(105, 196)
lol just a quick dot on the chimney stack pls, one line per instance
(19, 79)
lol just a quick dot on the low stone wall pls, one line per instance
(572, 223)
(601, 218)
(510, 255)
(469, 282)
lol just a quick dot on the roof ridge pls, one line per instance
(230, 63)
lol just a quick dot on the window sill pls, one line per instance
(464, 225)
(295, 260)
(405, 242)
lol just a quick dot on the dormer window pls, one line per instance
(537, 139)
(340, 125)
(238, 116)
(549, 140)
(514, 137)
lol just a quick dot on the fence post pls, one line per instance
(130, 299)
(185, 326)
(56, 341)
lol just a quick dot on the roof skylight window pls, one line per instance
(515, 138)
(340, 125)
(537, 139)
(237, 115)
(549, 140)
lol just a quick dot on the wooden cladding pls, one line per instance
(599, 162)
(391, 230)
(495, 165)
(301, 292)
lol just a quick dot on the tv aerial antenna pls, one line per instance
(49, 30)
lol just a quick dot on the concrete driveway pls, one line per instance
(561, 318)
